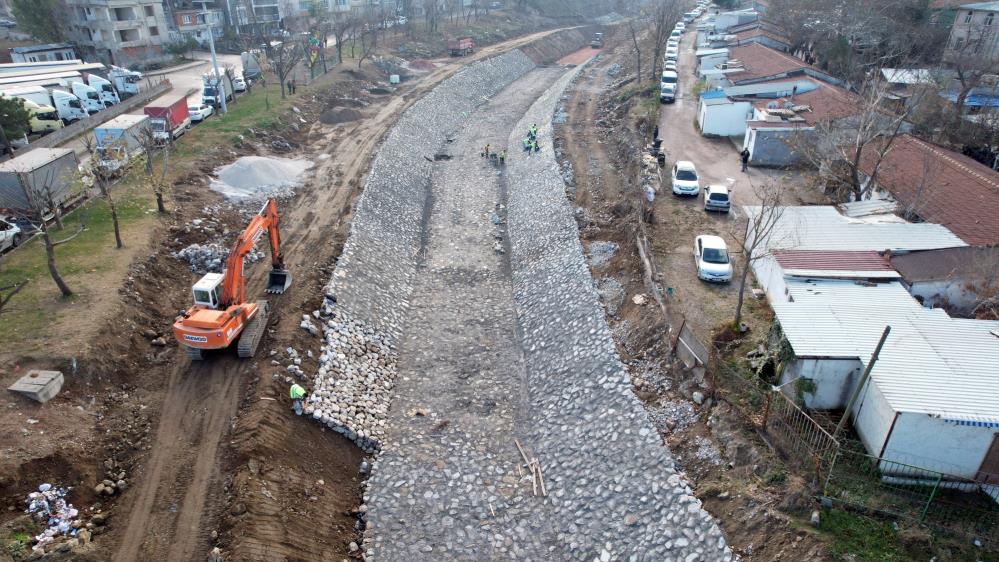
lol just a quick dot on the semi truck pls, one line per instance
(104, 89)
(67, 106)
(119, 141)
(168, 117)
(42, 174)
(213, 86)
(125, 81)
(460, 47)
(88, 96)
(44, 118)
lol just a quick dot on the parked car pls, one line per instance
(238, 84)
(10, 234)
(716, 198)
(685, 180)
(675, 43)
(681, 26)
(671, 53)
(669, 65)
(675, 33)
(495, 5)
(8, 23)
(199, 112)
(711, 257)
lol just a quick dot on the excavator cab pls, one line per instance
(208, 290)
(278, 281)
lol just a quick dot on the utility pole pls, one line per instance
(863, 380)
(215, 63)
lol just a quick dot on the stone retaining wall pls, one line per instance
(622, 496)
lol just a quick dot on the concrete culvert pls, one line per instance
(339, 115)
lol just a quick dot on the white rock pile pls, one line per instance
(353, 387)
(205, 258)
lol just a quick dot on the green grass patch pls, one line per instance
(867, 540)
(28, 315)
(256, 110)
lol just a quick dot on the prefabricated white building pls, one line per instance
(932, 399)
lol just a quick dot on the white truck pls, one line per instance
(67, 106)
(104, 89)
(119, 142)
(125, 81)
(88, 96)
(251, 65)
(10, 234)
(213, 86)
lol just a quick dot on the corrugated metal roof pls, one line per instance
(33, 159)
(868, 207)
(778, 88)
(824, 228)
(834, 264)
(931, 364)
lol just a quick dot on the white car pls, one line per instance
(675, 43)
(711, 256)
(685, 178)
(675, 33)
(717, 198)
(199, 112)
(681, 26)
(669, 65)
(238, 84)
(10, 235)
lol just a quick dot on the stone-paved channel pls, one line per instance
(500, 338)
(450, 460)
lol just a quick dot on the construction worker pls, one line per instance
(535, 147)
(485, 151)
(527, 145)
(534, 130)
(502, 157)
(297, 394)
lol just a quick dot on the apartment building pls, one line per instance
(973, 33)
(121, 32)
(191, 19)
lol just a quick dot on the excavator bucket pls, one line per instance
(278, 281)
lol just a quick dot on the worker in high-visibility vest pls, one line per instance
(297, 394)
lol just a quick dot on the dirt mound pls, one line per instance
(339, 115)
(421, 64)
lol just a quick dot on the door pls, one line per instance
(988, 473)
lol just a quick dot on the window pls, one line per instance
(988, 18)
(58, 56)
(187, 19)
(715, 255)
(149, 11)
(958, 43)
(32, 59)
(967, 17)
(686, 175)
(154, 31)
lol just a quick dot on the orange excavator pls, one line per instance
(220, 314)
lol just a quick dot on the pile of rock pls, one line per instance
(353, 387)
(205, 258)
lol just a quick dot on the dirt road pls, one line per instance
(183, 492)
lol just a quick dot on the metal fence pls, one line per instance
(804, 441)
(944, 502)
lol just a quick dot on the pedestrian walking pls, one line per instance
(745, 159)
(502, 157)
(297, 394)
(485, 151)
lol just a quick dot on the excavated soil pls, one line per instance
(337, 116)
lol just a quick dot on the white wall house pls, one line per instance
(719, 116)
(932, 399)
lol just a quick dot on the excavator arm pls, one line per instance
(234, 284)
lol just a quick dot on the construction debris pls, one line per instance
(40, 386)
(49, 506)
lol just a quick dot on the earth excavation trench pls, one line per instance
(465, 342)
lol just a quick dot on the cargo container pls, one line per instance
(168, 117)
(119, 141)
(47, 174)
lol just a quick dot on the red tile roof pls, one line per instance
(829, 260)
(761, 61)
(825, 102)
(758, 32)
(941, 186)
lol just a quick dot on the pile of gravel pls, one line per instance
(353, 388)
(210, 258)
(259, 177)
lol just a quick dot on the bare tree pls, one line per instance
(973, 57)
(341, 26)
(8, 292)
(369, 40)
(638, 50)
(284, 56)
(106, 161)
(756, 239)
(35, 188)
(151, 145)
(662, 16)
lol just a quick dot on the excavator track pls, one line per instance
(249, 340)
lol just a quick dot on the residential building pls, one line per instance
(120, 32)
(762, 64)
(195, 24)
(904, 83)
(956, 279)
(43, 53)
(794, 265)
(936, 185)
(974, 32)
(942, 13)
(725, 20)
(823, 228)
(724, 112)
(932, 398)
(760, 31)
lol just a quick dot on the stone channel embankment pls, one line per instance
(461, 322)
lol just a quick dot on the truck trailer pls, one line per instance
(68, 107)
(42, 175)
(168, 117)
(119, 141)
(461, 46)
